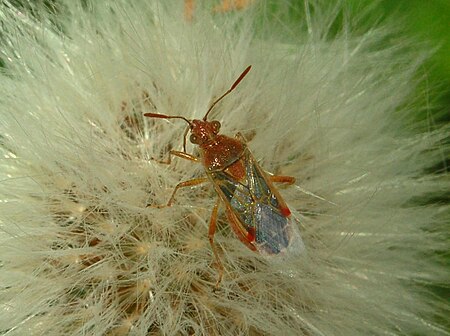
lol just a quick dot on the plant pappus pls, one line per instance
(255, 209)
(225, 6)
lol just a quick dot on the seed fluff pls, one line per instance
(82, 254)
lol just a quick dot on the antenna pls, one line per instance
(163, 116)
(241, 77)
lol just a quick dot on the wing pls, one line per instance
(258, 214)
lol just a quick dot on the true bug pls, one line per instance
(255, 209)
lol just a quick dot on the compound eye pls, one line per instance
(194, 139)
(216, 126)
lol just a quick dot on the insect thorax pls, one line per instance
(221, 153)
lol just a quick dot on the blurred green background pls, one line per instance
(426, 22)
(429, 21)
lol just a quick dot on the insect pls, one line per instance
(255, 209)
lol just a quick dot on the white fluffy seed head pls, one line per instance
(82, 254)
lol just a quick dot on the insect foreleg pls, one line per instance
(282, 179)
(211, 232)
(182, 155)
(184, 184)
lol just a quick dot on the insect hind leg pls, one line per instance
(282, 179)
(211, 232)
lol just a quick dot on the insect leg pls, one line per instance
(184, 184)
(282, 179)
(211, 232)
(182, 155)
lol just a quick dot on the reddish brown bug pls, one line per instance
(255, 209)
